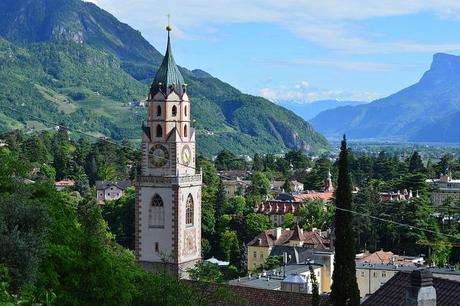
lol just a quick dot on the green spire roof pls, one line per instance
(168, 77)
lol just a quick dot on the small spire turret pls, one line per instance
(168, 77)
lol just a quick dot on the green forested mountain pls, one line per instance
(428, 111)
(71, 62)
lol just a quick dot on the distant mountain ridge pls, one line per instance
(71, 61)
(309, 110)
(428, 111)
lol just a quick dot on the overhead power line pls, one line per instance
(411, 227)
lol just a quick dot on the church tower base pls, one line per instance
(174, 270)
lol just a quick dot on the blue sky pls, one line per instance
(302, 50)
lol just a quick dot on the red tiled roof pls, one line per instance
(382, 257)
(281, 207)
(268, 238)
(65, 183)
(315, 239)
(377, 257)
(326, 196)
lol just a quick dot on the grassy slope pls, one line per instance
(88, 89)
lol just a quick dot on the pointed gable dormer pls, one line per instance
(168, 78)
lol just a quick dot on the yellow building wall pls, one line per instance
(295, 243)
(369, 280)
(257, 256)
(326, 279)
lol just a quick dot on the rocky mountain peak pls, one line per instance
(444, 68)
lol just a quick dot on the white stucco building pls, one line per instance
(110, 191)
(443, 188)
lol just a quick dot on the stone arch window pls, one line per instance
(157, 212)
(159, 131)
(158, 111)
(185, 110)
(185, 130)
(189, 211)
(174, 111)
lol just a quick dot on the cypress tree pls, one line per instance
(416, 163)
(344, 285)
(315, 300)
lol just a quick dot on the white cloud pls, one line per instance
(339, 64)
(327, 23)
(304, 93)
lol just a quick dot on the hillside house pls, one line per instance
(110, 191)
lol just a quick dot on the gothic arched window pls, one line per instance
(157, 212)
(189, 211)
(185, 130)
(185, 110)
(174, 111)
(159, 131)
(158, 110)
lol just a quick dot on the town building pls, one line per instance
(64, 184)
(235, 174)
(416, 288)
(278, 186)
(293, 202)
(382, 257)
(397, 196)
(168, 188)
(262, 246)
(110, 191)
(294, 275)
(237, 182)
(277, 209)
(235, 187)
(443, 188)
(375, 269)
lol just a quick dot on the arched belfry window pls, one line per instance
(189, 211)
(185, 110)
(185, 130)
(174, 111)
(159, 131)
(158, 110)
(157, 212)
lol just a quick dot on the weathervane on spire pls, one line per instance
(168, 27)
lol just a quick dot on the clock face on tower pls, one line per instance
(186, 155)
(158, 155)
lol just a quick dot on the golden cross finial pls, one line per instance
(168, 27)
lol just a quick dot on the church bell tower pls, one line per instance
(168, 189)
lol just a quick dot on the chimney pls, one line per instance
(421, 291)
(278, 233)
